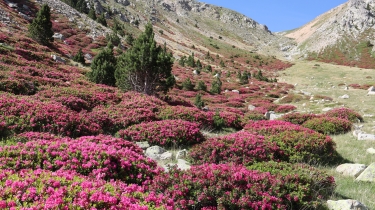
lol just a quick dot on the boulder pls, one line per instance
(181, 154)
(326, 109)
(371, 90)
(143, 144)
(58, 36)
(346, 96)
(154, 152)
(368, 175)
(370, 150)
(183, 164)
(236, 91)
(352, 170)
(346, 205)
(366, 136)
(251, 107)
(166, 156)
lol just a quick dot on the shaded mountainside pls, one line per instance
(343, 35)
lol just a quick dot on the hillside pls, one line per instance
(229, 134)
(343, 35)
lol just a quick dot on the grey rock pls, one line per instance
(251, 107)
(346, 96)
(154, 152)
(346, 205)
(370, 150)
(58, 59)
(181, 154)
(366, 136)
(166, 156)
(143, 144)
(367, 175)
(183, 164)
(58, 36)
(371, 90)
(326, 109)
(236, 91)
(352, 170)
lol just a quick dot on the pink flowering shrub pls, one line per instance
(252, 116)
(298, 118)
(345, 113)
(285, 108)
(191, 114)
(42, 189)
(240, 148)
(298, 143)
(231, 120)
(134, 100)
(266, 104)
(328, 125)
(270, 127)
(113, 118)
(164, 133)
(223, 186)
(305, 146)
(17, 86)
(83, 156)
(303, 186)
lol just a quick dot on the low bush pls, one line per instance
(252, 116)
(271, 127)
(191, 114)
(303, 186)
(240, 148)
(223, 186)
(42, 189)
(328, 125)
(298, 118)
(306, 146)
(164, 133)
(345, 113)
(285, 108)
(85, 157)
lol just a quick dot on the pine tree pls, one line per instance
(101, 19)
(92, 13)
(187, 85)
(41, 28)
(145, 67)
(201, 86)
(103, 68)
(198, 101)
(216, 86)
(79, 57)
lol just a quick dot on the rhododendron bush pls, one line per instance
(85, 156)
(223, 186)
(42, 189)
(345, 113)
(328, 125)
(164, 133)
(240, 148)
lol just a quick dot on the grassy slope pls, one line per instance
(319, 81)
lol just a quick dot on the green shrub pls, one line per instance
(201, 86)
(345, 113)
(187, 85)
(298, 118)
(328, 125)
(305, 187)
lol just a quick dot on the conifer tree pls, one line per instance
(101, 19)
(41, 28)
(198, 101)
(145, 67)
(79, 57)
(92, 13)
(216, 86)
(103, 68)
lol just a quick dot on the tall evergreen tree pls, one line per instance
(103, 68)
(216, 86)
(79, 57)
(92, 13)
(145, 67)
(101, 19)
(41, 28)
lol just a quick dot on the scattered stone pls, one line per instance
(346, 88)
(217, 75)
(366, 136)
(183, 164)
(371, 90)
(356, 133)
(368, 115)
(143, 144)
(58, 59)
(154, 152)
(346, 96)
(346, 205)
(58, 36)
(181, 154)
(166, 156)
(195, 72)
(370, 150)
(367, 175)
(251, 107)
(236, 91)
(352, 170)
(326, 109)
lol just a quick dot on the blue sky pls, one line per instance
(279, 15)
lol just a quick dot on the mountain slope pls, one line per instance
(342, 35)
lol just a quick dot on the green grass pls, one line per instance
(319, 80)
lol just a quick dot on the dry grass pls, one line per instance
(327, 80)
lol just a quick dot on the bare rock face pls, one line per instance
(348, 20)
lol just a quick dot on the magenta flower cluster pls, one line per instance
(165, 133)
